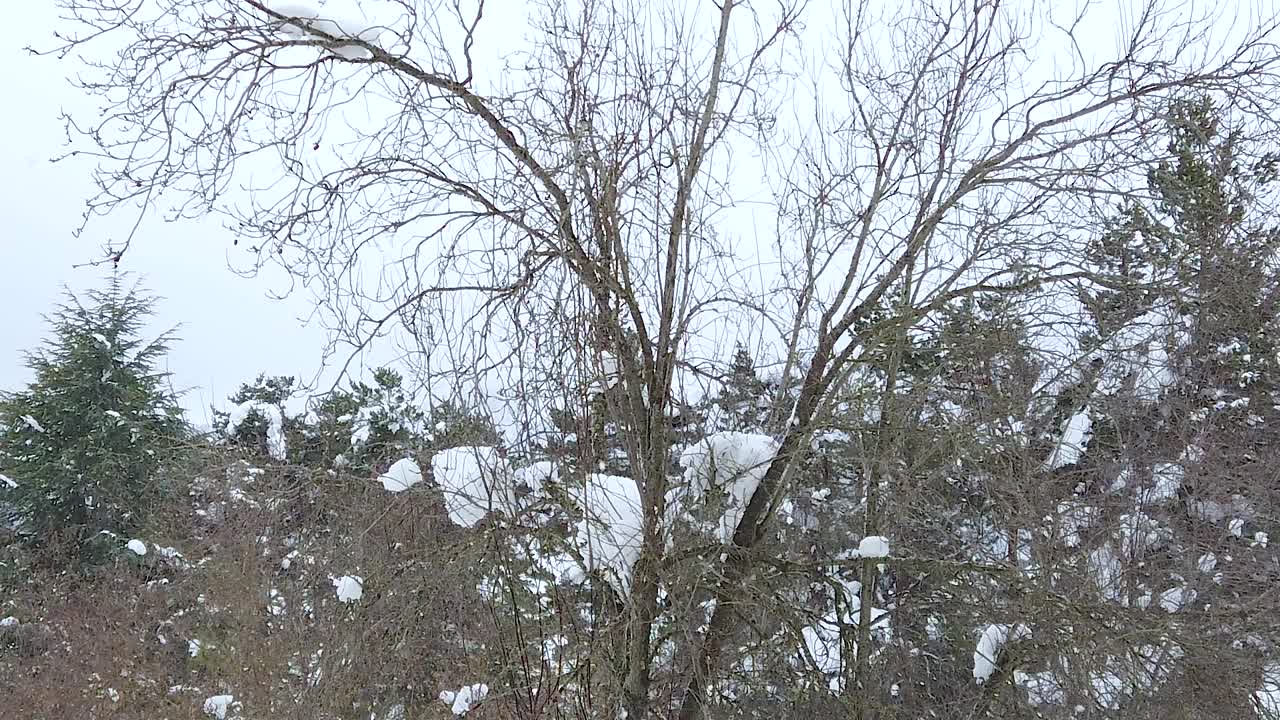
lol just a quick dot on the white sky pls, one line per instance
(230, 330)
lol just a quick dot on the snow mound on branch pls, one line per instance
(1166, 480)
(992, 642)
(466, 698)
(32, 423)
(277, 445)
(535, 476)
(1140, 352)
(219, 706)
(349, 588)
(401, 476)
(874, 546)
(318, 25)
(7, 481)
(735, 462)
(1073, 442)
(827, 639)
(610, 533)
(475, 481)
(137, 547)
(1267, 697)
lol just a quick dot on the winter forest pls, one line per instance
(752, 359)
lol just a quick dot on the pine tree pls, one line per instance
(743, 402)
(88, 441)
(366, 426)
(258, 420)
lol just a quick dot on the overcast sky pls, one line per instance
(230, 329)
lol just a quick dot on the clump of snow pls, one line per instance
(277, 445)
(1073, 518)
(1267, 696)
(1139, 531)
(1236, 527)
(874, 546)
(313, 23)
(137, 547)
(1176, 598)
(992, 642)
(535, 476)
(1166, 480)
(1207, 562)
(194, 647)
(9, 621)
(8, 482)
(402, 475)
(350, 588)
(219, 706)
(1104, 564)
(465, 699)
(1043, 688)
(1073, 442)
(1261, 539)
(1140, 352)
(102, 340)
(475, 481)
(32, 423)
(826, 640)
(734, 462)
(609, 535)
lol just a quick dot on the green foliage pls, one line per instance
(744, 399)
(367, 425)
(253, 433)
(88, 441)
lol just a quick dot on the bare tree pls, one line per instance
(560, 223)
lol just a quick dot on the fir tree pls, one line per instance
(743, 402)
(365, 427)
(88, 441)
(258, 421)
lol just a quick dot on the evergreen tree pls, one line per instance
(88, 441)
(258, 420)
(743, 402)
(366, 426)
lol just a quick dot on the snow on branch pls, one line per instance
(475, 482)
(733, 461)
(277, 445)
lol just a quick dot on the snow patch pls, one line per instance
(1166, 480)
(402, 475)
(137, 547)
(350, 588)
(1207, 562)
(465, 699)
(735, 462)
(873, 546)
(219, 706)
(1073, 442)
(277, 445)
(992, 642)
(475, 481)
